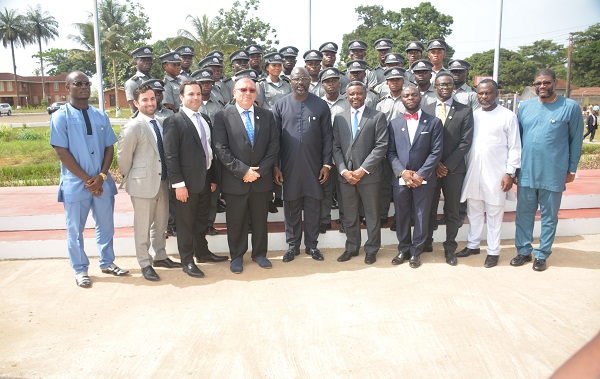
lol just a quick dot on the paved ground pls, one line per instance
(303, 319)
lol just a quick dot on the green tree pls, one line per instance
(204, 37)
(585, 61)
(45, 28)
(516, 71)
(14, 31)
(243, 28)
(62, 60)
(548, 54)
(421, 23)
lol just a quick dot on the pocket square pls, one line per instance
(424, 132)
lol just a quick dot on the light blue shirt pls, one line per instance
(68, 130)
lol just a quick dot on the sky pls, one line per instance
(473, 30)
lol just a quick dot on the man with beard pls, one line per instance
(305, 160)
(357, 51)
(422, 72)
(142, 59)
(415, 148)
(551, 137)
(414, 52)
(459, 69)
(290, 54)
(186, 53)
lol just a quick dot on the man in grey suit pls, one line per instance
(450, 172)
(246, 142)
(415, 148)
(141, 159)
(360, 140)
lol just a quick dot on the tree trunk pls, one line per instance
(42, 67)
(12, 48)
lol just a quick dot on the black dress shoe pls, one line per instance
(221, 208)
(150, 274)
(383, 221)
(346, 256)
(450, 258)
(466, 252)
(210, 257)
(539, 264)
(324, 228)
(520, 260)
(363, 221)
(427, 248)
(171, 232)
(335, 204)
(278, 202)
(491, 261)
(315, 254)
(211, 231)
(290, 255)
(415, 261)
(370, 259)
(393, 226)
(166, 263)
(272, 208)
(342, 230)
(400, 258)
(193, 270)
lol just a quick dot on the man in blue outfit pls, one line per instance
(83, 140)
(551, 134)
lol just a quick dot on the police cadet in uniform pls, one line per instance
(357, 51)
(171, 63)
(436, 51)
(414, 52)
(329, 51)
(391, 60)
(357, 72)
(290, 54)
(383, 47)
(422, 71)
(459, 69)
(338, 103)
(142, 59)
(216, 65)
(186, 53)
(312, 64)
(391, 103)
(273, 87)
(239, 61)
(255, 53)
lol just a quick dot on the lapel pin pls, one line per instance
(449, 117)
(403, 129)
(424, 121)
(552, 121)
(258, 118)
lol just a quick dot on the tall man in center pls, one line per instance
(306, 140)
(246, 142)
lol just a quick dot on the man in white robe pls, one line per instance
(492, 163)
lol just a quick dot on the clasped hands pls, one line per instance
(353, 177)
(251, 175)
(94, 185)
(412, 179)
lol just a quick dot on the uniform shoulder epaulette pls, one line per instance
(134, 77)
(261, 79)
(343, 72)
(227, 80)
(285, 78)
(373, 92)
(232, 101)
(381, 99)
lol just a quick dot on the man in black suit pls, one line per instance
(246, 142)
(457, 119)
(592, 124)
(415, 148)
(189, 161)
(360, 141)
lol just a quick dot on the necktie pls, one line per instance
(355, 124)
(442, 115)
(203, 139)
(408, 116)
(161, 150)
(249, 127)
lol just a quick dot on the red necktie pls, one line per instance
(408, 116)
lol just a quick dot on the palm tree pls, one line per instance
(204, 37)
(13, 31)
(111, 45)
(44, 27)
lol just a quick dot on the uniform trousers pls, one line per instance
(527, 204)
(293, 210)
(76, 213)
(493, 218)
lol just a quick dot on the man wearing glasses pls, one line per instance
(83, 140)
(551, 137)
(306, 142)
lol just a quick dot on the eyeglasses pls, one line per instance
(545, 83)
(445, 85)
(244, 90)
(81, 84)
(302, 79)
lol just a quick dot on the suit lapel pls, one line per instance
(190, 124)
(451, 112)
(362, 123)
(149, 134)
(236, 118)
(257, 123)
(423, 121)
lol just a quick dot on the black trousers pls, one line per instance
(451, 184)
(293, 210)
(192, 222)
(239, 207)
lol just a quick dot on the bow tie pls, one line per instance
(408, 116)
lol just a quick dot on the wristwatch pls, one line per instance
(511, 175)
(328, 166)
(103, 176)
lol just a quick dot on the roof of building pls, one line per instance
(7, 76)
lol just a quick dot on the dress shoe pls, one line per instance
(490, 261)
(166, 263)
(363, 221)
(466, 252)
(415, 261)
(383, 221)
(221, 208)
(400, 258)
(450, 258)
(441, 220)
(171, 232)
(192, 270)
(150, 274)
(520, 260)
(335, 204)
(539, 264)
(370, 259)
(428, 248)
(315, 254)
(210, 257)
(393, 226)
(211, 231)
(237, 265)
(278, 202)
(290, 255)
(272, 208)
(324, 228)
(263, 262)
(342, 229)
(115, 270)
(346, 256)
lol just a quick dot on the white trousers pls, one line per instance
(494, 215)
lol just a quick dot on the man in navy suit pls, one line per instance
(415, 148)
